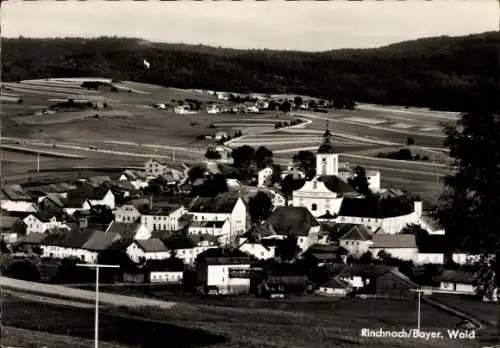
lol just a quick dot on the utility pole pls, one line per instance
(173, 155)
(96, 320)
(38, 162)
(419, 291)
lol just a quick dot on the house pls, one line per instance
(391, 215)
(277, 198)
(356, 239)
(74, 204)
(52, 203)
(297, 221)
(250, 243)
(129, 231)
(373, 178)
(15, 199)
(463, 258)
(188, 247)
(325, 254)
(224, 269)
(401, 246)
(102, 196)
(432, 249)
(213, 109)
(430, 224)
(64, 243)
(11, 228)
(133, 210)
(136, 178)
(394, 284)
(41, 222)
(164, 271)
(281, 280)
(164, 218)
(214, 228)
(147, 249)
(456, 282)
(335, 287)
(264, 177)
(221, 208)
(154, 168)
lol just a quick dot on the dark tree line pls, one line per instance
(441, 73)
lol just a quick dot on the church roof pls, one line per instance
(334, 184)
(326, 147)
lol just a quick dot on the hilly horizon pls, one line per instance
(442, 72)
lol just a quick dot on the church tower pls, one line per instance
(327, 161)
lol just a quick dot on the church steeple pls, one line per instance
(326, 147)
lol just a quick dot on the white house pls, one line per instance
(264, 177)
(41, 222)
(130, 213)
(103, 197)
(373, 178)
(456, 282)
(172, 277)
(426, 258)
(369, 212)
(401, 246)
(136, 178)
(66, 243)
(213, 228)
(147, 249)
(129, 231)
(213, 109)
(221, 208)
(224, 270)
(278, 198)
(19, 206)
(14, 198)
(297, 221)
(463, 258)
(257, 250)
(164, 218)
(189, 254)
(154, 168)
(356, 239)
(76, 204)
(334, 287)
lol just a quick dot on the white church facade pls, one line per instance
(324, 193)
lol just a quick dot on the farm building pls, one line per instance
(335, 287)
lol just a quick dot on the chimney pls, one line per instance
(417, 207)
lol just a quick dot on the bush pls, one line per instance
(417, 157)
(23, 270)
(211, 125)
(200, 137)
(212, 154)
(425, 158)
(410, 141)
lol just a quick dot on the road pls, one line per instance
(78, 294)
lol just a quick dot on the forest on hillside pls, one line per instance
(442, 73)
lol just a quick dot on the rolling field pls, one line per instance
(131, 130)
(245, 323)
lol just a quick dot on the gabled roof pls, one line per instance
(62, 187)
(152, 245)
(256, 232)
(222, 204)
(336, 184)
(76, 238)
(99, 193)
(165, 210)
(327, 216)
(99, 180)
(336, 283)
(456, 276)
(393, 241)
(15, 193)
(123, 185)
(222, 256)
(100, 241)
(125, 230)
(57, 199)
(291, 220)
(34, 238)
(75, 202)
(356, 232)
(374, 208)
(43, 216)
(7, 222)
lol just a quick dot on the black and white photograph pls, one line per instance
(250, 174)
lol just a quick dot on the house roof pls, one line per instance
(334, 184)
(256, 232)
(125, 230)
(374, 208)
(433, 244)
(34, 238)
(62, 187)
(15, 193)
(165, 210)
(335, 283)
(327, 216)
(179, 240)
(222, 256)
(456, 276)
(355, 232)
(223, 204)
(75, 238)
(207, 224)
(432, 223)
(123, 185)
(392, 193)
(134, 174)
(151, 245)
(99, 180)
(100, 241)
(7, 222)
(291, 220)
(43, 216)
(75, 202)
(393, 241)
(57, 199)
(398, 274)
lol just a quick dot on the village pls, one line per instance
(205, 229)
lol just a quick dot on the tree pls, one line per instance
(366, 258)
(23, 270)
(472, 194)
(419, 233)
(298, 101)
(243, 156)
(307, 162)
(410, 141)
(288, 249)
(289, 184)
(359, 181)
(212, 154)
(196, 172)
(4, 249)
(285, 107)
(277, 172)
(260, 207)
(263, 157)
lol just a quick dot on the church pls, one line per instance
(323, 194)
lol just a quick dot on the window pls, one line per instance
(314, 207)
(315, 185)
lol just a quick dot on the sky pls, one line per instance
(273, 24)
